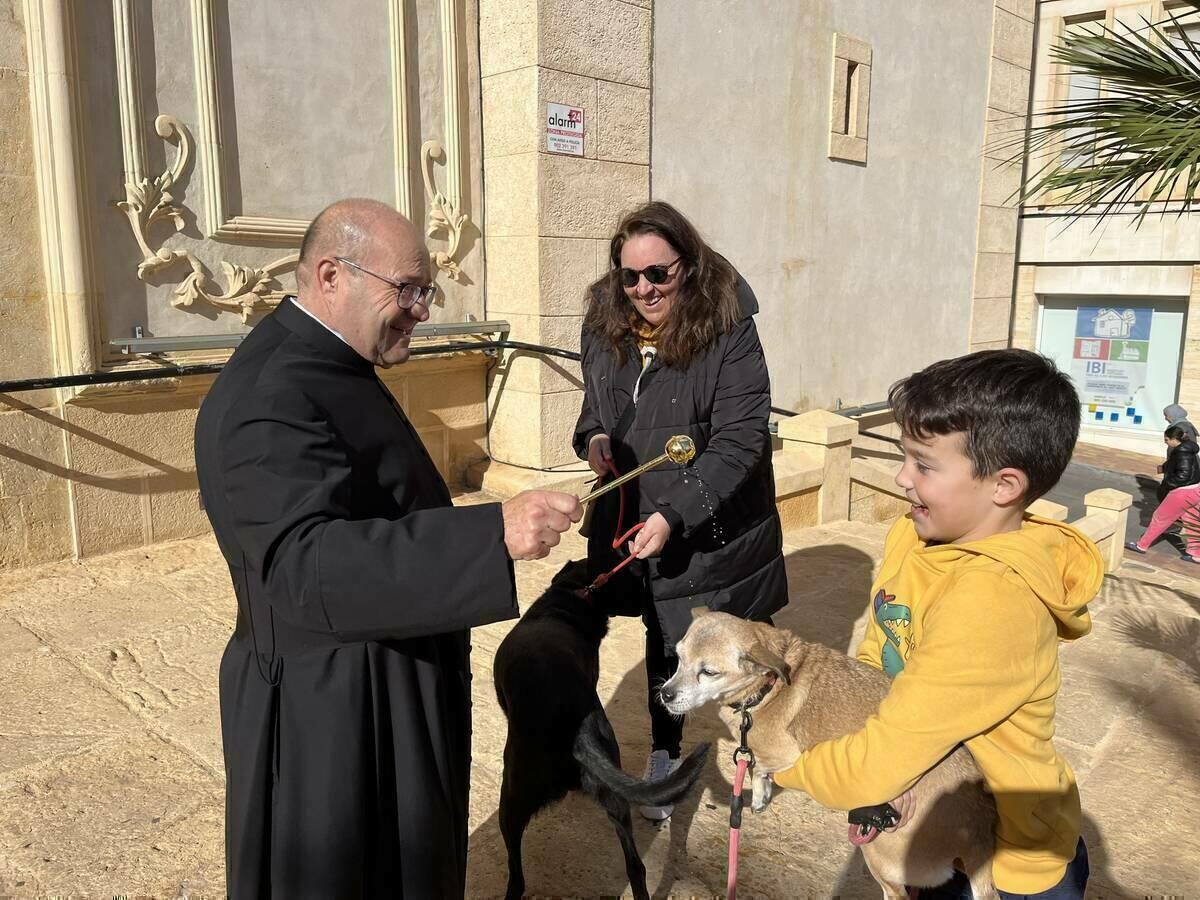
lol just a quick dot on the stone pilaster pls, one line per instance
(1008, 104)
(549, 216)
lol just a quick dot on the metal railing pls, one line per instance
(143, 345)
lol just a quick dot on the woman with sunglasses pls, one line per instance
(670, 348)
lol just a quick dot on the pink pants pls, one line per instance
(1184, 504)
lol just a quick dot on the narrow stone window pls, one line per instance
(850, 100)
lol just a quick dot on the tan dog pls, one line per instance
(820, 694)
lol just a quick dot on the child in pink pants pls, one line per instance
(1183, 504)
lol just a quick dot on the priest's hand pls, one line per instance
(533, 521)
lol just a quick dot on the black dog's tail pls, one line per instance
(595, 747)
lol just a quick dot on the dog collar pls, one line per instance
(757, 697)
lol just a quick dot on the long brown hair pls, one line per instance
(706, 304)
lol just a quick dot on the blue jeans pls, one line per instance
(1071, 886)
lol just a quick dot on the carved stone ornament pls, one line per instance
(445, 217)
(150, 200)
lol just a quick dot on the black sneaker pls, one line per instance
(1187, 557)
(1132, 545)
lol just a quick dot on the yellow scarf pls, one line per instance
(645, 334)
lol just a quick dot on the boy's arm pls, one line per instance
(974, 667)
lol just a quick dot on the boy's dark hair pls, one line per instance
(1176, 433)
(1014, 406)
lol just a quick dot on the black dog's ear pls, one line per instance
(759, 659)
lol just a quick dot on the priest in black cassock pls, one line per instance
(345, 689)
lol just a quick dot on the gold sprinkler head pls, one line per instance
(680, 449)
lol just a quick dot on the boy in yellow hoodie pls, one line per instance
(970, 603)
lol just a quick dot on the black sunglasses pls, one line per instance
(654, 274)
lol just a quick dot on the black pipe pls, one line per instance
(61, 381)
(880, 437)
(844, 411)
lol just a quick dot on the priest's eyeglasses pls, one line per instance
(407, 294)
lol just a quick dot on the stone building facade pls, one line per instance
(1075, 276)
(160, 160)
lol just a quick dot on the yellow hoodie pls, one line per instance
(970, 634)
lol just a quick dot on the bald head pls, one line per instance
(355, 260)
(354, 229)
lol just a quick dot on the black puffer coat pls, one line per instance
(1181, 468)
(726, 544)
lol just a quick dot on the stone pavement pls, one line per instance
(111, 776)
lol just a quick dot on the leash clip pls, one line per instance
(743, 750)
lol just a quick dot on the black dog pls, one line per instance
(559, 739)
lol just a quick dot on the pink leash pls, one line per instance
(743, 757)
(735, 823)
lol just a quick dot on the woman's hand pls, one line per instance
(600, 454)
(652, 538)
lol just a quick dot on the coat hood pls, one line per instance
(1060, 565)
(746, 298)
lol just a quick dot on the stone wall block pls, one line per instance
(990, 319)
(533, 429)
(512, 195)
(21, 249)
(24, 331)
(510, 112)
(529, 373)
(47, 532)
(1026, 9)
(154, 436)
(1012, 38)
(623, 123)
(508, 35)
(111, 516)
(33, 528)
(31, 453)
(1003, 137)
(16, 138)
(512, 276)
(177, 514)
(605, 39)
(994, 275)
(566, 267)
(997, 229)
(1001, 182)
(451, 399)
(559, 415)
(586, 198)
(1008, 88)
(12, 533)
(514, 430)
(12, 36)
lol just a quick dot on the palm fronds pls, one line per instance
(1139, 140)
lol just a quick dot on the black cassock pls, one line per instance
(345, 689)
